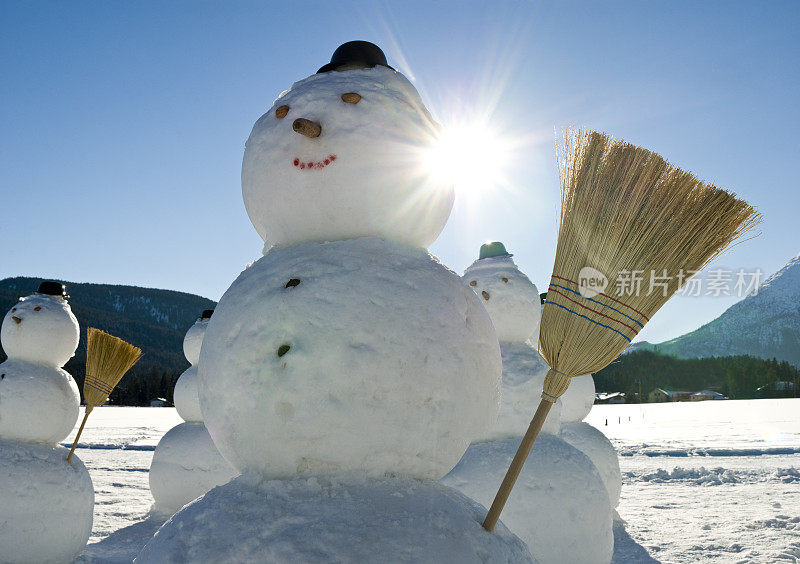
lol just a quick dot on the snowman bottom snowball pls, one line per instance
(360, 355)
(322, 520)
(46, 503)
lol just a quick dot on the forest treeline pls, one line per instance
(737, 377)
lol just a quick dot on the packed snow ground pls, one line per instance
(711, 481)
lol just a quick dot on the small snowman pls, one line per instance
(513, 303)
(46, 503)
(347, 369)
(186, 464)
(560, 505)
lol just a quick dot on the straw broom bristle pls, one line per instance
(626, 209)
(108, 358)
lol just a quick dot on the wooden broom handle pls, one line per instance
(555, 384)
(516, 465)
(80, 430)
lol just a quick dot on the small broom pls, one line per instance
(623, 209)
(108, 358)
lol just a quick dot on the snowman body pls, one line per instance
(560, 505)
(347, 347)
(186, 464)
(360, 356)
(47, 503)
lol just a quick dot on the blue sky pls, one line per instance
(123, 124)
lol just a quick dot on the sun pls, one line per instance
(473, 156)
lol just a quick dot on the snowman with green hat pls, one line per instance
(512, 302)
(568, 517)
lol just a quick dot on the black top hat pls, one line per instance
(207, 313)
(50, 288)
(358, 54)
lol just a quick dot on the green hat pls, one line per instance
(493, 249)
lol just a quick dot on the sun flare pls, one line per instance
(472, 156)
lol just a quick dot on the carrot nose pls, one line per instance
(17, 319)
(307, 127)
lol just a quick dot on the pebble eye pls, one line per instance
(473, 283)
(37, 308)
(281, 112)
(504, 279)
(351, 98)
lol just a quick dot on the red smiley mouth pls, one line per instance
(311, 165)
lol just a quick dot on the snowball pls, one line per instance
(185, 396)
(46, 504)
(352, 355)
(363, 176)
(38, 402)
(559, 505)
(578, 400)
(523, 378)
(511, 299)
(321, 520)
(186, 464)
(594, 444)
(194, 340)
(46, 332)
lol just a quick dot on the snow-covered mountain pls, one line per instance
(766, 325)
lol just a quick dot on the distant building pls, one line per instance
(776, 390)
(707, 395)
(612, 397)
(159, 402)
(662, 394)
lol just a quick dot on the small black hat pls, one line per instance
(359, 54)
(51, 288)
(207, 313)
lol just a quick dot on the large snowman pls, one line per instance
(46, 503)
(186, 464)
(560, 504)
(347, 363)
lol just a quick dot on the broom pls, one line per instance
(624, 210)
(108, 358)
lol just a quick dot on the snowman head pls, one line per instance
(511, 299)
(340, 155)
(193, 340)
(41, 327)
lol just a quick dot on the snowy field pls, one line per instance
(709, 481)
